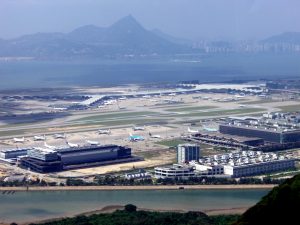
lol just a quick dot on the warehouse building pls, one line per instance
(46, 160)
(280, 128)
(259, 168)
(13, 153)
(269, 135)
(246, 163)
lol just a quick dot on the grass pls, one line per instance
(171, 143)
(185, 109)
(260, 101)
(125, 122)
(107, 116)
(289, 108)
(222, 112)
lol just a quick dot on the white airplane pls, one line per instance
(72, 145)
(240, 96)
(122, 98)
(135, 128)
(192, 131)
(146, 96)
(19, 140)
(110, 102)
(92, 142)
(39, 138)
(59, 108)
(58, 136)
(154, 136)
(49, 146)
(104, 131)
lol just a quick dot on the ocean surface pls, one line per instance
(38, 205)
(96, 72)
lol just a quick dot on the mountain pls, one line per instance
(280, 206)
(124, 37)
(170, 38)
(287, 37)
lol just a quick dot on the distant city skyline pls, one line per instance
(192, 19)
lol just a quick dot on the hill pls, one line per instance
(287, 37)
(280, 206)
(125, 37)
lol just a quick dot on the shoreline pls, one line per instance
(152, 187)
(113, 208)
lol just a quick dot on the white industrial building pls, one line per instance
(259, 168)
(13, 153)
(188, 152)
(174, 171)
(44, 154)
(245, 163)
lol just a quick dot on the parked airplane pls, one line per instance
(58, 136)
(19, 140)
(39, 138)
(192, 131)
(72, 145)
(135, 128)
(101, 131)
(135, 138)
(154, 136)
(92, 142)
(240, 96)
(49, 146)
(110, 102)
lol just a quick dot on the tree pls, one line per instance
(130, 208)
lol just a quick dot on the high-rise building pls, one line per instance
(188, 152)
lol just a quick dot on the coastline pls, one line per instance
(152, 187)
(113, 208)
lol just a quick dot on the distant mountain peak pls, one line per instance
(126, 36)
(128, 22)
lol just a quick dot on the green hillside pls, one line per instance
(280, 206)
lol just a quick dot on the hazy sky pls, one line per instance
(193, 19)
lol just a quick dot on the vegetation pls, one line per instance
(187, 109)
(121, 181)
(129, 216)
(107, 116)
(280, 206)
(131, 121)
(171, 143)
(289, 108)
(263, 101)
(222, 112)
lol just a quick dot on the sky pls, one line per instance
(191, 19)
